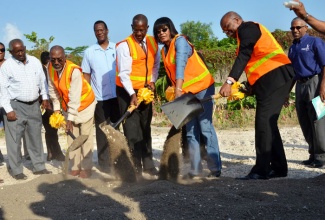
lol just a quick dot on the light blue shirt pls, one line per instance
(24, 82)
(100, 64)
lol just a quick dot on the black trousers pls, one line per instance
(51, 138)
(271, 92)
(137, 130)
(107, 110)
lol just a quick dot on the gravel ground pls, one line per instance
(301, 195)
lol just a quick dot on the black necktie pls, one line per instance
(142, 44)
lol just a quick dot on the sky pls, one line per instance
(70, 22)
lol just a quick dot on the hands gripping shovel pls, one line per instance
(119, 153)
(56, 121)
(186, 107)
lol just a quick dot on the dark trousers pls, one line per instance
(312, 128)
(51, 138)
(137, 131)
(271, 92)
(108, 111)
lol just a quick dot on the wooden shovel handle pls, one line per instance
(216, 96)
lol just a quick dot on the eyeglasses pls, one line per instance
(142, 31)
(296, 27)
(162, 30)
(2, 50)
(60, 60)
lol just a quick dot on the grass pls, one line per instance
(228, 119)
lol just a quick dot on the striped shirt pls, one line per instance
(23, 82)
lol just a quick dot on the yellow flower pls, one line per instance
(146, 95)
(57, 120)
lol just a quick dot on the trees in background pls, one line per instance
(41, 44)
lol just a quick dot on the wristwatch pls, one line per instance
(228, 81)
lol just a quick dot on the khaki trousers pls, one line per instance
(82, 158)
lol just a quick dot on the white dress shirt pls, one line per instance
(125, 66)
(23, 82)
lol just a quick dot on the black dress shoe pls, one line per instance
(214, 173)
(253, 176)
(45, 171)
(308, 162)
(20, 176)
(316, 164)
(274, 174)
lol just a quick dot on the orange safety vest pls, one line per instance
(142, 64)
(267, 55)
(196, 75)
(87, 95)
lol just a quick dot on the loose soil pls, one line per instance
(301, 195)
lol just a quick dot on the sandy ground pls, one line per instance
(301, 195)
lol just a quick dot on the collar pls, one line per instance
(297, 41)
(98, 47)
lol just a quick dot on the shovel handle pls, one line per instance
(71, 135)
(126, 114)
(216, 96)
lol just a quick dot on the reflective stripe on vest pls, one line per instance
(68, 71)
(142, 62)
(268, 56)
(196, 77)
(272, 53)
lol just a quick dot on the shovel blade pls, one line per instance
(183, 109)
(80, 140)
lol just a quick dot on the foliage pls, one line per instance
(41, 44)
(219, 61)
(75, 54)
(199, 34)
(247, 102)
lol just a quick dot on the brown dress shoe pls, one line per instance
(75, 172)
(85, 173)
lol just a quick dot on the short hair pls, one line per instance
(299, 19)
(12, 42)
(230, 14)
(45, 57)
(140, 18)
(100, 22)
(163, 22)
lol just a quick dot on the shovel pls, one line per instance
(184, 108)
(126, 114)
(77, 142)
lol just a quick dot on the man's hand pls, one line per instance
(299, 10)
(225, 90)
(152, 86)
(11, 116)
(134, 100)
(69, 126)
(46, 105)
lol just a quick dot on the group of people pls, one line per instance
(111, 74)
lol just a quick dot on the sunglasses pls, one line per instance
(161, 30)
(2, 50)
(296, 27)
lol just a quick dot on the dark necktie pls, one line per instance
(142, 44)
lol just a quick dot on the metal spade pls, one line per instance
(185, 108)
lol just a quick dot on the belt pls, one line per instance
(305, 79)
(27, 103)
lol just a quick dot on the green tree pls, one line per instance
(41, 44)
(200, 34)
(75, 54)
